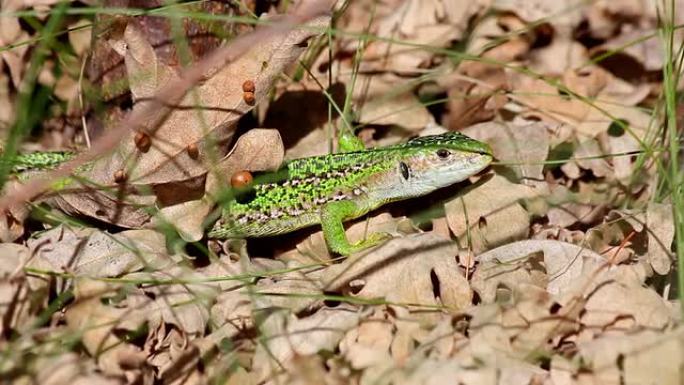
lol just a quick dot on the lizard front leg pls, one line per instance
(333, 215)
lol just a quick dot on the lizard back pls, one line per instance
(293, 195)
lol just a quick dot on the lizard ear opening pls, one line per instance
(245, 195)
(405, 170)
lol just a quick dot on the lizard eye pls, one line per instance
(443, 153)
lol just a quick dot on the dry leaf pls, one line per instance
(396, 109)
(288, 336)
(640, 358)
(94, 322)
(167, 169)
(426, 260)
(15, 293)
(256, 150)
(80, 36)
(433, 23)
(369, 344)
(562, 15)
(560, 271)
(183, 298)
(624, 305)
(475, 93)
(660, 225)
(522, 146)
(588, 156)
(488, 214)
(94, 253)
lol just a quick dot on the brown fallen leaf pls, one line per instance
(401, 109)
(12, 223)
(289, 337)
(433, 23)
(167, 168)
(183, 298)
(15, 292)
(633, 359)
(660, 225)
(11, 32)
(625, 305)
(369, 343)
(94, 321)
(256, 150)
(521, 146)
(475, 93)
(426, 260)
(489, 214)
(70, 368)
(589, 157)
(558, 271)
(540, 9)
(89, 252)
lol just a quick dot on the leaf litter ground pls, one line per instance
(556, 266)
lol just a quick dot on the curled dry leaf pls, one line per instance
(622, 146)
(146, 73)
(7, 109)
(70, 368)
(369, 344)
(10, 34)
(562, 14)
(507, 335)
(12, 223)
(617, 101)
(234, 307)
(586, 205)
(632, 53)
(79, 36)
(492, 39)
(588, 156)
(558, 57)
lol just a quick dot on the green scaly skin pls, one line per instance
(38, 161)
(331, 189)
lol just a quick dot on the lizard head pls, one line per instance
(433, 162)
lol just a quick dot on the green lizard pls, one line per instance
(331, 189)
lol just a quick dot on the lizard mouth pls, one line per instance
(485, 170)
